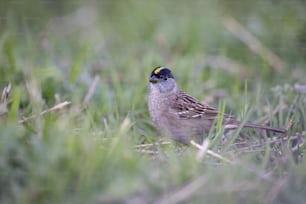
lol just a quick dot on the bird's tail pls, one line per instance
(234, 124)
(268, 128)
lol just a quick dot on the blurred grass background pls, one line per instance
(89, 152)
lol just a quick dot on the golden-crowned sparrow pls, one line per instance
(179, 115)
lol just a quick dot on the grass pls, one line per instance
(102, 147)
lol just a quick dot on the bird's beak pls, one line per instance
(154, 79)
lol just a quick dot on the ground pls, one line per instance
(74, 121)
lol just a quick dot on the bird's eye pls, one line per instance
(164, 77)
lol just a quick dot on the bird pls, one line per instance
(177, 114)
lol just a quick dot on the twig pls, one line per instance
(54, 108)
(254, 44)
(211, 153)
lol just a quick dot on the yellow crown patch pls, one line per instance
(156, 71)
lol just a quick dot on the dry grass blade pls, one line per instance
(203, 150)
(79, 108)
(277, 187)
(254, 44)
(245, 147)
(54, 108)
(211, 153)
(150, 148)
(91, 90)
(289, 126)
(5, 94)
(152, 144)
(4, 99)
(299, 140)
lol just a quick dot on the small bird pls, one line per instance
(181, 116)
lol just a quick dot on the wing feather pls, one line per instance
(188, 107)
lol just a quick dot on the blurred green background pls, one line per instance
(249, 55)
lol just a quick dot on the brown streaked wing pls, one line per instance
(188, 107)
